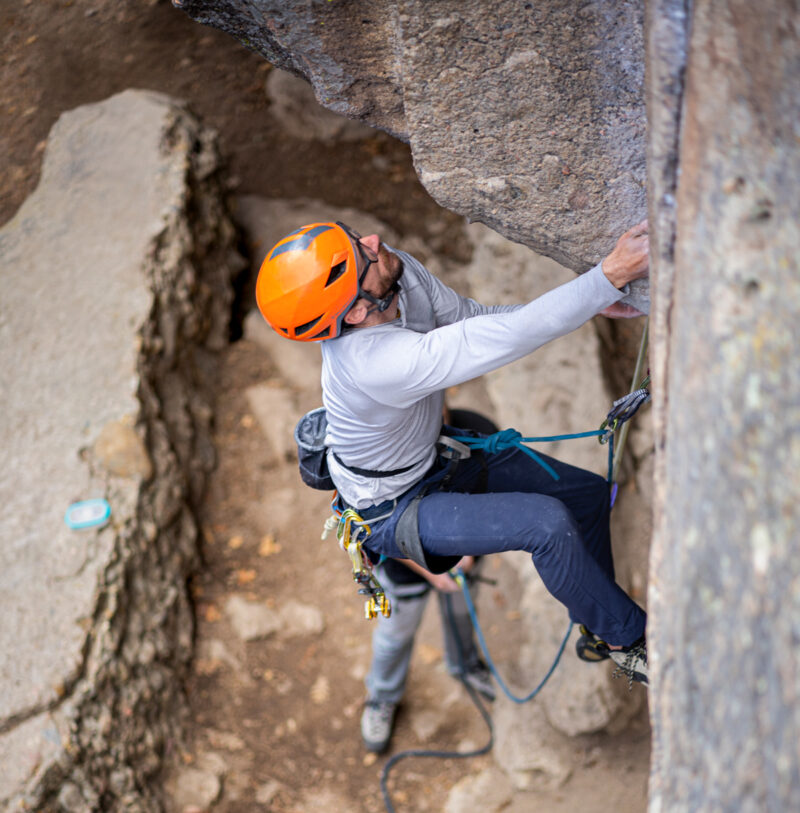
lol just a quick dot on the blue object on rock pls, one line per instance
(87, 514)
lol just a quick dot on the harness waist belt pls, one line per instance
(370, 472)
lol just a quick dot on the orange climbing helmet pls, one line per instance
(309, 281)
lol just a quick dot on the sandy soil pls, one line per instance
(278, 719)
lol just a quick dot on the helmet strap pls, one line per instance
(383, 303)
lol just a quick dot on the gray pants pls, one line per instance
(393, 637)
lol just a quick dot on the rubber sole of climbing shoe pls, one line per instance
(632, 663)
(590, 648)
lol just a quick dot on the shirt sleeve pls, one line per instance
(407, 366)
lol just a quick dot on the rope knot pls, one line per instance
(504, 439)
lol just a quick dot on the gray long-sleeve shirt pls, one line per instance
(383, 386)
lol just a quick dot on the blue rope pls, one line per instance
(462, 582)
(510, 438)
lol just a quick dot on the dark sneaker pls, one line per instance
(631, 662)
(377, 723)
(480, 679)
(591, 648)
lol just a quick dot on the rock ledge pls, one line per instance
(116, 293)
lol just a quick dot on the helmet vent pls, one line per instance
(307, 326)
(323, 334)
(336, 272)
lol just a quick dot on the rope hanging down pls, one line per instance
(473, 615)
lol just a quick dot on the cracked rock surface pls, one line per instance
(116, 295)
(528, 117)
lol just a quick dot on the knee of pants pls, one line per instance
(556, 525)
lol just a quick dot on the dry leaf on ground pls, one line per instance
(321, 690)
(245, 576)
(268, 546)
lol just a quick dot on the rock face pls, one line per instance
(528, 117)
(293, 106)
(117, 270)
(725, 589)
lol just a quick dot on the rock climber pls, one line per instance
(393, 339)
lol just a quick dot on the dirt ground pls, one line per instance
(278, 719)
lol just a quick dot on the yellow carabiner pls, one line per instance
(609, 428)
(349, 541)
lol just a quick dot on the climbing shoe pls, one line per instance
(631, 662)
(480, 679)
(377, 723)
(591, 648)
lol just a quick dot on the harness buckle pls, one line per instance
(453, 449)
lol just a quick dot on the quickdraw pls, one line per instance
(623, 409)
(350, 527)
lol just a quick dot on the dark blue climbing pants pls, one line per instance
(563, 524)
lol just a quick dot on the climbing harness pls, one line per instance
(352, 529)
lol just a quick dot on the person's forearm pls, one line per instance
(439, 581)
(412, 565)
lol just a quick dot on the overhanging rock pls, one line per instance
(116, 293)
(528, 117)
